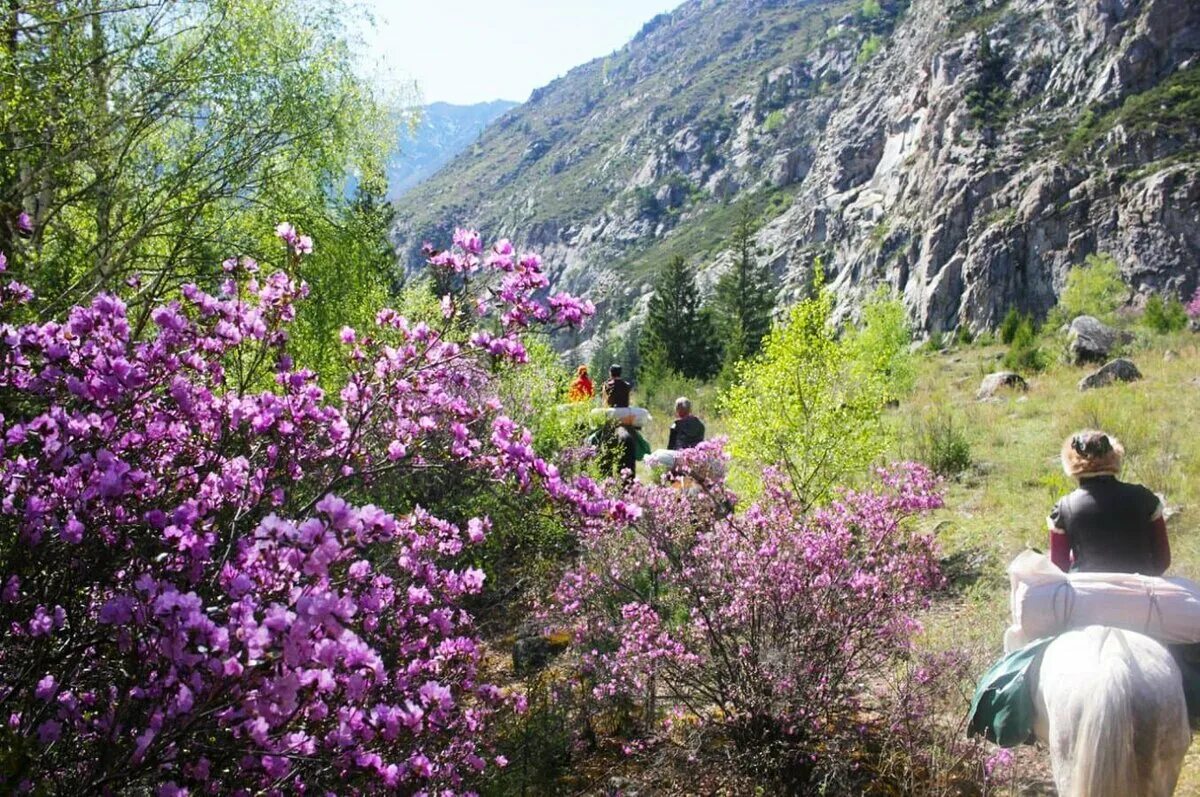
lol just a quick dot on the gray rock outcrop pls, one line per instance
(1090, 340)
(1118, 370)
(865, 143)
(994, 383)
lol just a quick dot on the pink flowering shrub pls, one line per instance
(766, 622)
(1193, 307)
(194, 596)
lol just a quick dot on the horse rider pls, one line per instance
(687, 431)
(1106, 525)
(616, 392)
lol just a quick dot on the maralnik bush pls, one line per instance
(187, 601)
(767, 622)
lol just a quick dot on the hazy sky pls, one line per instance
(466, 51)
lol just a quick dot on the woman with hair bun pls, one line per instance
(1106, 525)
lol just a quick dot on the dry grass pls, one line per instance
(998, 507)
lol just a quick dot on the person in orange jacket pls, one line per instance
(581, 388)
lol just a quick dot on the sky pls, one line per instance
(468, 51)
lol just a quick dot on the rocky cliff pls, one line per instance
(965, 152)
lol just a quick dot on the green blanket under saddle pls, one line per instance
(641, 447)
(1002, 710)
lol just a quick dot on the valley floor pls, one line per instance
(998, 506)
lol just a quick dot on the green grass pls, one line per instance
(999, 506)
(1169, 109)
(967, 21)
(707, 233)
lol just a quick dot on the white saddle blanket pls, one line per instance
(1046, 601)
(626, 416)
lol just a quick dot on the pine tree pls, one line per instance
(678, 328)
(745, 296)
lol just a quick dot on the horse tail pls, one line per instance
(1105, 763)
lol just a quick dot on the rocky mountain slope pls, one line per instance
(965, 152)
(443, 131)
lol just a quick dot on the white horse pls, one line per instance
(1110, 706)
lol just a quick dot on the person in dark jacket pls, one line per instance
(1107, 525)
(616, 390)
(687, 431)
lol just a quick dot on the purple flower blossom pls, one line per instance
(285, 232)
(840, 582)
(1193, 306)
(24, 224)
(215, 609)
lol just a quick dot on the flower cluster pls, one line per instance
(766, 619)
(1193, 307)
(188, 600)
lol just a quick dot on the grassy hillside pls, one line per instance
(998, 506)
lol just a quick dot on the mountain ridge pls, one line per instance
(442, 131)
(964, 152)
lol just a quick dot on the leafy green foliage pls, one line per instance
(878, 347)
(869, 49)
(148, 142)
(1094, 288)
(987, 98)
(871, 9)
(808, 405)
(1024, 352)
(678, 327)
(1164, 317)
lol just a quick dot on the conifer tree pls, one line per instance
(745, 296)
(678, 328)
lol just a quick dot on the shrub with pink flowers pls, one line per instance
(767, 622)
(1193, 307)
(196, 594)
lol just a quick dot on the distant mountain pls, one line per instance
(444, 131)
(964, 152)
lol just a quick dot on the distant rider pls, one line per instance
(581, 388)
(687, 431)
(616, 393)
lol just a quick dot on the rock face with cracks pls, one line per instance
(965, 152)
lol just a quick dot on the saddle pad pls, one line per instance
(1046, 601)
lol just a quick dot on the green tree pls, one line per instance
(149, 141)
(1164, 317)
(879, 346)
(350, 277)
(744, 296)
(807, 405)
(678, 326)
(987, 97)
(1094, 288)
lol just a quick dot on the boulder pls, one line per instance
(1092, 341)
(994, 383)
(532, 653)
(1119, 370)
